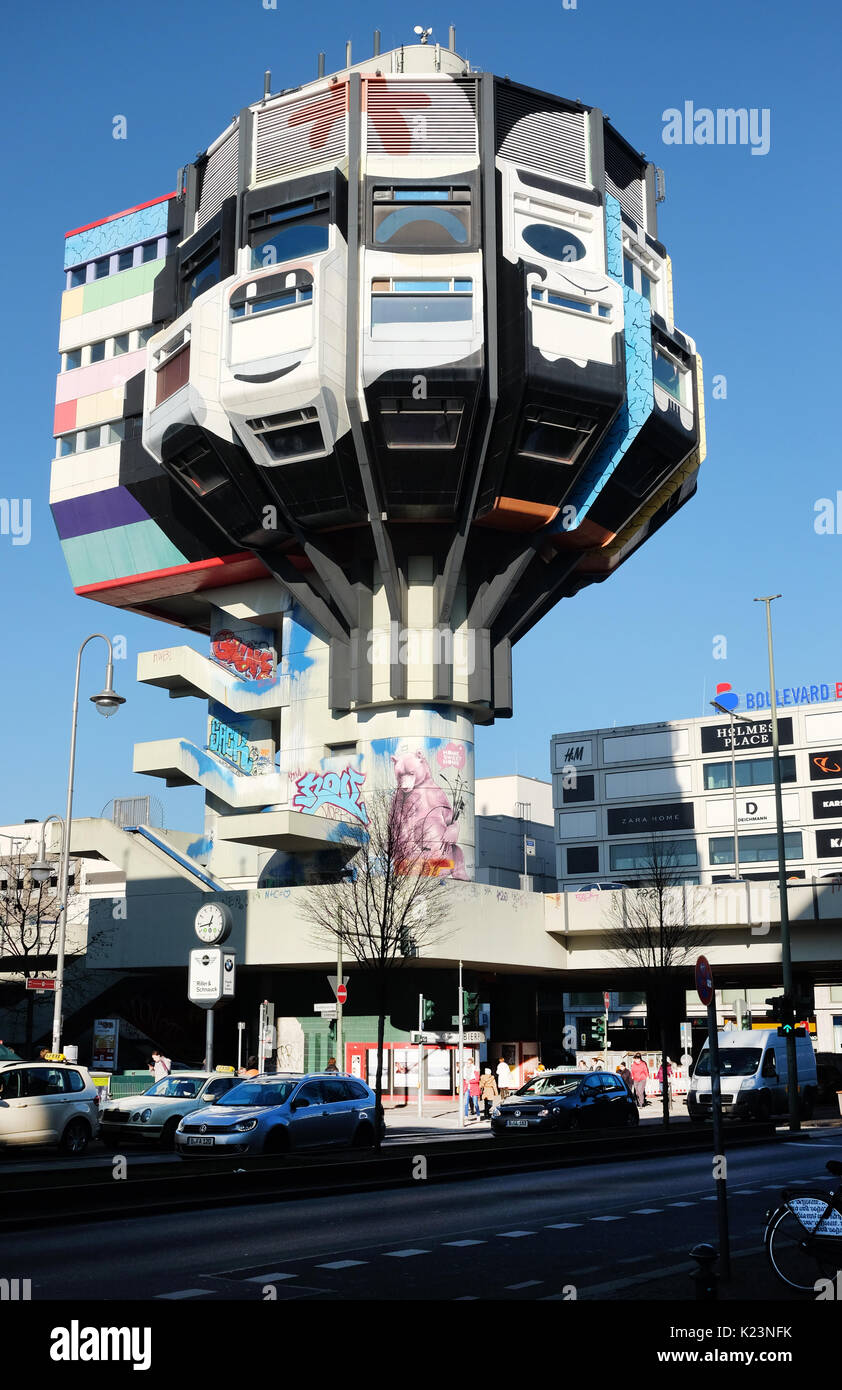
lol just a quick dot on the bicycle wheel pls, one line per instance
(792, 1251)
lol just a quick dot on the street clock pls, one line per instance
(213, 923)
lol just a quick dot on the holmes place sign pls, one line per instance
(716, 738)
(670, 815)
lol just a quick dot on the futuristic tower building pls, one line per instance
(393, 371)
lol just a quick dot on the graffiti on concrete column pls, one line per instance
(341, 790)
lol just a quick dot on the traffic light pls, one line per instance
(598, 1028)
(428, 1010)
(470, 1005)
(783, 1013)
(407, 942)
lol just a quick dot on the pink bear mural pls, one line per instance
(427, 818)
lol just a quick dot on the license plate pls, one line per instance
(517, 1124)
(200, 1141)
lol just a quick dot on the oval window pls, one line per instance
(553, 242)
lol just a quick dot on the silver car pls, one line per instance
(281, 1113)
(151, 1117)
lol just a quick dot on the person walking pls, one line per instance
(627, 1076)
(504, 1078)
(160, 1066)
(665, 1074)
(639, 1075)
(331, 1065)
(488, 1092)
(250, 1069)
(473, 1092)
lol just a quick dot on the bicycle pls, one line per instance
(803, 1235)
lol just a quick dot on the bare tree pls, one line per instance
(386, 905)
(651, 936)
(29, 917)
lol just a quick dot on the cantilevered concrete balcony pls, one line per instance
(182, 764)
(285, 830)
(183, 671)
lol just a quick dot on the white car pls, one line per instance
(47, 1103)
(153, 1115)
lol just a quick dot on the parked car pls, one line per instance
(47, 1103)
(604, 887)
(560, 1101)
(753, 1075)
(281, 1113)
(152, 1116)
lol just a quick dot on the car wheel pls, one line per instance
(364, 1136)
(75, 1138)
(167, 1139)
(276, 1141)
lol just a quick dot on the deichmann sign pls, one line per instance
(716, 738)
(754, 810)
(829, 844)
(827, 805)
(630, 820)
(824, 765)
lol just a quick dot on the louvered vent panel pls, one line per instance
(624, 179)
(546, 139)
(417, 117)
(302, 133)
(220, 178)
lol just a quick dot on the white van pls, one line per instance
(47, 1103)
(753, 1072)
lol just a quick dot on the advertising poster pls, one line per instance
(438, 1070)
(106, 1038)
(372, 1068)
(405, 1068)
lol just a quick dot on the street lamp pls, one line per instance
(107, 702)
(743, 720)
(786, 951)
(41, 869)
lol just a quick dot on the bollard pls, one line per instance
(705, 1277)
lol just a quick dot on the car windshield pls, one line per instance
(733, 1061)
(260, 1093)
(184, 1088)
(549, 1086)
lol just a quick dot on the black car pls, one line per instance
(559, 1101)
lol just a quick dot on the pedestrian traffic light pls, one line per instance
(428, 1010)
(470, 1005)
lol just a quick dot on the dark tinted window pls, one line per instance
(287, 232)
(219, 1086)
(553, 242)
(583, 860)
(356, 1090)
(422, 219)
(101, 268)
(10, 1085)
(583, 790)
(75, 1080)
(311, 1092)
(334, 1091)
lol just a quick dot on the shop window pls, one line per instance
(285, 233)
(428, 424)
(554, 435)
(583, 859)
(421, 219)
(675, 853)
(753, 772)
(421, 301)
(582, 791)
(755, 849)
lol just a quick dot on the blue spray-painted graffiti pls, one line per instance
(230, 744)
(340, 789)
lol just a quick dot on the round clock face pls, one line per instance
(211, 923)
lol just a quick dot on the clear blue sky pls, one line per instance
(750, 238)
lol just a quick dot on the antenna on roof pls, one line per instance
(321, 65)
(348, 54)
(423, 34)
(377, 43)
(451, 42)
(267, 84)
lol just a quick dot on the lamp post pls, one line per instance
(786, 951)
(107, 702)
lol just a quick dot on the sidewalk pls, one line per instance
(752, 1280)
(444, 1115)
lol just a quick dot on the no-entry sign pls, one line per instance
(704, 980)
(342, 994)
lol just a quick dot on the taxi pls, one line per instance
(153, 1115)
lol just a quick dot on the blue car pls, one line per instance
(284, 1113)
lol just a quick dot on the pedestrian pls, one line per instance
(582, 1064)
(331, 1064)
(627, 1076)
(488, 1092)
(160, 1066)
(660, 1073)
(639, 1075)
(250, 1069)
(504, 1078)
(597, 1064)
(473, 1092)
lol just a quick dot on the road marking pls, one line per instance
(461, 1243)
(404, 1254)
(747, 1192)
(514, 1234)
(527, 1284)
(344, 1264)
(186, 1293)
(267, 1278)
(681, 1204)
(564, 1226)
(609, 1218)
(647, 1211)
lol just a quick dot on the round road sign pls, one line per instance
(704, 980)
(342, 994)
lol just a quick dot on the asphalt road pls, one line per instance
(603, 1231)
